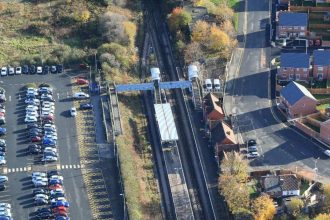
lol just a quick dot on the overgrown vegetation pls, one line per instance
(143, 200)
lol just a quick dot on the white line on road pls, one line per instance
(66, 166)
(9, 98)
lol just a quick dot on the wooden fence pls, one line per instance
(309, 8)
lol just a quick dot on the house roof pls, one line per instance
(321, 57)
(293, 19)
(293, 92)
(287, 182)
(211, 104)
(223, 131)
(294, 60)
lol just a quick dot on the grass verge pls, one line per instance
(135, 155)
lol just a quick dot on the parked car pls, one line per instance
(3, 179)
(52, 172)
(11, 71)
(53, 69)
(34, 149)
(3, 131)
(86, 106)
(18, 70)
(39, 70)
(4, 71)
(35, 139)
(59, 68)
(327, 152)
(81, 81)
(55, 186)
(58, 204)
(73, 112)
(25, 69)
(30, 119)
(32, 69)
(3, 160)
(46, 70)
(41, 202)
(80, 95)
(252, 155)
(49, 159)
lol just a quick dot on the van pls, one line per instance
(216, 85)
(208, 85)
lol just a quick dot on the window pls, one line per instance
(295, 28)
(297, 76)
(320, 76)
(320, 68)
(302, 28)
(291, 76)
(302, 33)
(304, 69)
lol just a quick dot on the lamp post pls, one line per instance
(315, 167)
(124, 205)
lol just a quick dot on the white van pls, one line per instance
(208, 85)
(216, 85)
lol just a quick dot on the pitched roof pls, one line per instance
(211, 103)
(293, 19)
(222, 131)
(293, 92)
(294, 60)
(321, 57)
(287, 182)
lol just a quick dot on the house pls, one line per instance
(321, 64)
(297, 100)
(224, 138)
(281, 185)
(292, 24)
(213, 113)
(294, 66)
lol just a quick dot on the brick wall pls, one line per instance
(306, 130)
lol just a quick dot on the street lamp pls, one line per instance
(124, 205)
(315, 167)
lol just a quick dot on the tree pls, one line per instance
(294, 206)
(130, 30)
(218, 40)
(193, 52)
(323, 216)
(200, 32)
(326, 199)
(227, 26)
(112, 29)
(83, 16)
(179, 19)
(223, 13)
(234, 164)
(263, 208)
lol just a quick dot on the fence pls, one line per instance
(309, 8)
(320, 26)
(310, 132)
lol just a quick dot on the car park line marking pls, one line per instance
(9, 98)
(58, 95)
(74, 166)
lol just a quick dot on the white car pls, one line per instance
(6, 213)
(327, 152)
(41, 196)
(39, 69)
(80, 95)
(51, 110)
(11, 71)
(35, 101)
(59, 199)
(40, 183)
(32, 114)
(2, 110)
(49, 159)
(50, 149)
(252, 155)
(54, 191)
(48, 103)
(3, 179)
(18, 70)
(6, 205)
(73, 112)
(39, 174)
(32, 107)
(56, 177)
(3, 161)
(50, 126)
(29, 119)
(32, 89)
(40, 178)
(3, 141)
(4, 71)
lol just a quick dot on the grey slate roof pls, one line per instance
(286, 182)
(292, 19)
(321, 57)
(293, 92)
(294, 60)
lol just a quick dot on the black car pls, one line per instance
(32, 69)
(35, 129)
(52, 173)
(2, 153)
(57, 195)
(3, 144)
(59, 68)
(46, 70)
(47, 121)
(48, 99)
(32, 125)
(35, 134)
(25, 69)
(41, 210)
(3, 149)
(86, 106)
(2, 187)
(34, 149)
(2, 106)
(41, 191)
(45, 215)
(53, 69)
(41, 202)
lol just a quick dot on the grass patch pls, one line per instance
(235, 21)
(323, 106)
(321, 96)
(303, 186)
(252, 187)
(135, 155)
(315, 128)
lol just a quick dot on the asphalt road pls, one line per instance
(20, 165)
(247, 99)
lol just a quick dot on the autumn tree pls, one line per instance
(326, 199)
(223, 13)
(228, 28)
(263, 208)
(179, 19)
(323, 216)
(294, 206)
(234, 164)
(82, 16)
(200, 32)
(130, 30)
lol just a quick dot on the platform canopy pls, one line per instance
(165, 121)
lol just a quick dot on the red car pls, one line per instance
(48, 117)
(2, 114)
(61, 214)
(60, 209)
(81, 81)
(56, 186)
(36, 139)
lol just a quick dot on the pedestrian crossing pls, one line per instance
(6, 170)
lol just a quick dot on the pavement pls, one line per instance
(248, 101)
(20, 165)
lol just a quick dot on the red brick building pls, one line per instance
(292, 25)
(294, 66)
(321, 64)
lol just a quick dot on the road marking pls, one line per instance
(66, 166)
(19, 96)
(20, 169)
(58, 95)
(74, 166)
(9, 98)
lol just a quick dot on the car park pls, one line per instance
(4, 71)
(18, 70)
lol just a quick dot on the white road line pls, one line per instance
(9, 98)
(66, 166)
(17, 169)
(58, 166)
(63, 166)
(20, 169)
(74, 166)
(24, 168)
(78, 166)
(5, 170)
(58, 95)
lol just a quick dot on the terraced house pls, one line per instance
(291, 24)
(294, 66)
(321, 64)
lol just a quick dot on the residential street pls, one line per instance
(248, 100)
